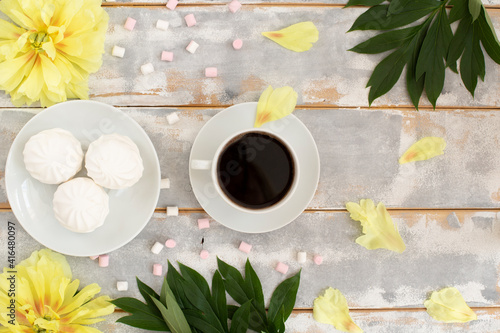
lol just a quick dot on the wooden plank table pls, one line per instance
(359, 148)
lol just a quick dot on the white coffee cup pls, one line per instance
(211, 166)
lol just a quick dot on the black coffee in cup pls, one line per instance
(255, 170)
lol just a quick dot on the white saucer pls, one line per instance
(130, 209)
(237, 118)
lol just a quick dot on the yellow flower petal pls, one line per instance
(331, 308)
(378, 228)
(424, 149)
(449, 306)
(275, 104)
(299, 37)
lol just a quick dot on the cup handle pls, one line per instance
(201, 164)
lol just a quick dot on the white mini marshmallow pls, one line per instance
(165, 183)
(147, 68)
(173, 211)
(122, 285)
(118, 51)
(157, 248)
(162, 25)
(191, 48)
(301, 257)
(172, 118)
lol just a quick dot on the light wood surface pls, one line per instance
(359, 148)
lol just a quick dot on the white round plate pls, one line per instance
(31, 200)
(238, 118)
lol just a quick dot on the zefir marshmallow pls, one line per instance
(245, 247)
(282, 268)
(234, 6)
(171, 4)
(173, 118)
(157, 247)
(162, 25)
(192, 46)
(203, 224)
(147, 68)
(130, 24)
(173, 211)
(157, 269)
(190, 20)
(122, 285)
(118, 51)
(211, 72)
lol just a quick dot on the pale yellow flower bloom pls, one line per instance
(45, 299)
(331, 308)
(48, 53)
(275, 104)
(424, 149)
(449, 306)
(299, 37)
(378, 228)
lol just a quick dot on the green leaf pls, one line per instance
(284, 296)
(459, 10)
(141, 315)
(415, 86)
(219, 299)
(457, 43)
(148, 293)
(190, 274)
(233, 281)
(278, 324)
(377, 18)
(363, 3)
(386, 41)
(488, 36)
(239, 323)
(197, 319)
(472, 63)
(396, 6)
(231, 309)
(475, 8)
(174, 279)
(172, 314)
(252, 282)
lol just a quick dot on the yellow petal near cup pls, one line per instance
(331, 308)
(299, 37)
(275, 104)
(449, 306)
(424, 149)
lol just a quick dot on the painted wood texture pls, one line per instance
(326, 75)
(359, 151)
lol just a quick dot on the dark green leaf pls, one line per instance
(415, 87)
(231, 309)
(457, 43)
(376, 17)
(459, 10)
(239, 323)
(279, 321)
(148, 294)
(174, 279)
(386, 41)
(198, 320)
(472, 62)
(233, 281)
(172, 314)
(284, 296)
(252, 282)
(145, 322)
(141, 313)
(190, 274)
(219, 299)
(488, 36)
(396, 6)
(475, 8)
(363, 3)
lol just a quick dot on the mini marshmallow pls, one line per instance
(172, 118)
(245, 247)
(167, 56)
(94, 257)
(282, 268)
(170, 243)
(237, 44)
(204, 254)
(122, 285)
(157, 248)
(171, 4)
(203, 224)
(118, 51)
(173, 211)
(130, 24)
(157, 269)
(190, 20)
(192, 46)
(103, 260)
(301, 257)
(165, 183)
(318, 260)
(234, 6)
(147, 68)
(162, 25)
(211, 72)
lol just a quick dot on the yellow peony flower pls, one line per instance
(299, 37)
(275, 104)
(48, 53)
(45, 298)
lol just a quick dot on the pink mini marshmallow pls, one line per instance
(171, 4)
(103, 260)
(190, 20)
(245, 247)
(234, 6)
(157, 269)
(170, 243)
(203, 224)
(130, 24)
(237, 44)
(167, 56)
(318, 260)
(204, 254)
(211, 72)
(94, 257)
(282, 268)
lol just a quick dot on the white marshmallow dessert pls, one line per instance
(81, 205)
(53, 156)
(113, 161)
